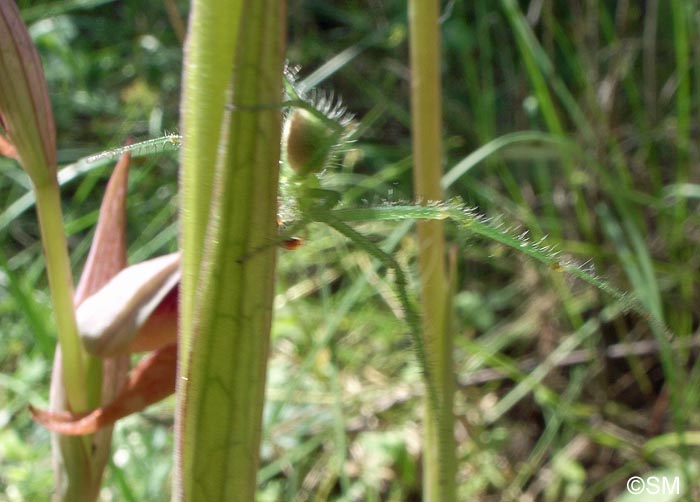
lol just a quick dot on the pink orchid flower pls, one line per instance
(121, 310)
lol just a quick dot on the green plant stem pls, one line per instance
(53, 238)
(210, 45)
(231, 292)
(439, 458)
(211, 42)
(75, 480)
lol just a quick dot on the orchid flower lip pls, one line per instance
(109, 320)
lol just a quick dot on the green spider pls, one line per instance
(315, 132)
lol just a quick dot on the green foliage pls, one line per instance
(602, 166)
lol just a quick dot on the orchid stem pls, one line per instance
(50, 214)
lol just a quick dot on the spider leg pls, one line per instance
(401, 286)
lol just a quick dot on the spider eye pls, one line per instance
(292, 243)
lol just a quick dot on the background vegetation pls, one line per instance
(614, 184)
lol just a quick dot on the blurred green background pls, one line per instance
(609, 175)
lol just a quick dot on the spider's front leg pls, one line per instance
(401, 286)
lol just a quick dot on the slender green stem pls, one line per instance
(223, 368)
(48, 205)
(211, 42)
(74, 478)
(426, 104)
